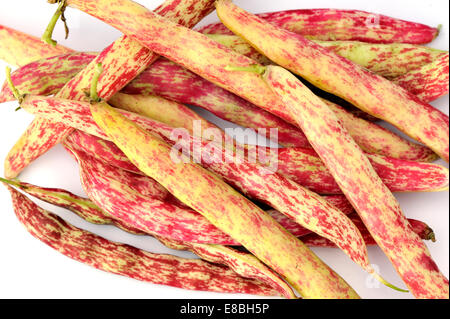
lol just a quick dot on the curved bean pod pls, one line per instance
(123, 60)
(375, 204)
(335, 24)
(225, 208)
(105, 255)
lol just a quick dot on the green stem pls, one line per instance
(439, 28)
(254, 68)
(386, 283)
(431, 236)
(47, 36)
(13, 89)
(9, 182)
(93, 91)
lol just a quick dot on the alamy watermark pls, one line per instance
(373, 21)
(211, 146)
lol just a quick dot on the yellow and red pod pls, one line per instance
(375, 204)
(18, 48)
(224, 208)
(369, 92)
(335, 24)
(108, 256)
(123, 60)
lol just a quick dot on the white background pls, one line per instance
(30, 269)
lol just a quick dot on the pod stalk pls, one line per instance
(93, 90)
(47, 36)
(19, 97)
(254, 68)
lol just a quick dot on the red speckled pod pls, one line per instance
(388, 60)
(332, 73)
(428, 82)
(301, 165)
(420, 228)
(171, 81)
(244, 264)
(289, 198)
(101, 149)
(149, 213)
(375, 204)
(163, 78)
(132, 194)
(306, 168)
(46, 76)
(105, 255)
(334, 24)
(83, 207)
(92, 213)
(122, 61)
(18, 48)
(224, 207)
(164, 111)
(306, 208)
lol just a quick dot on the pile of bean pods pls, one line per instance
(323, 78)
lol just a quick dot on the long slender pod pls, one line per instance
(354, 174)
(128, 261)
(335, 24)
(420, 228)
(303, 166)
(371, 137)
(150, 214)
(18, 48)
(83, 207)
(429, 82)
(281, 193)
(162, 110)
(243, 264)
(90, 212)
(46, 76)
(388, 60)
(162, 78)
(306, 168)
(332, 73)
(225, 208)
(303, 206)
(123, 61)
